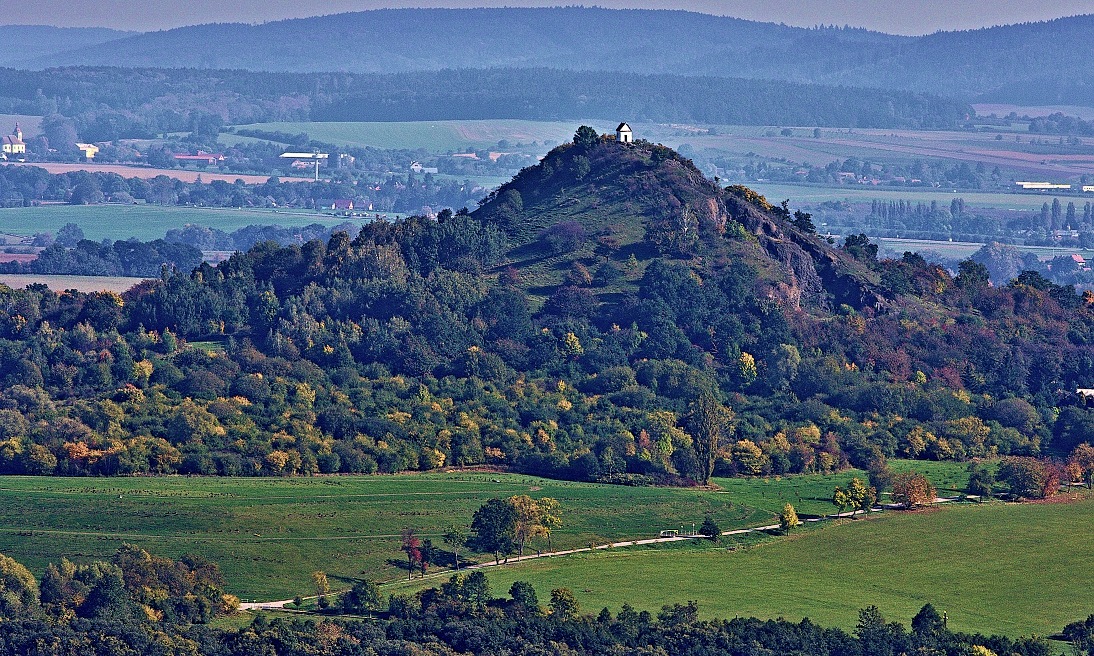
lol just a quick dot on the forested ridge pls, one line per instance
(602, 317)
(105, 103)
(1003, 62)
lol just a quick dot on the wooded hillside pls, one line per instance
(609, 315)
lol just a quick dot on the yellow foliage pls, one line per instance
(432, 458)
(398, 416)
(277, 459)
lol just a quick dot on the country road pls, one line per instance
(260, 605)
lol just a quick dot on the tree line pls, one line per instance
(138, 603)
(106, 104)
(416, 345)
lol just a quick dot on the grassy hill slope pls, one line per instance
(1011, 569)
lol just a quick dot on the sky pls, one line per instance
(894, 16)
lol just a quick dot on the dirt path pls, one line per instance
(260, 605)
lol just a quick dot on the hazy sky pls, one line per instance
(895, 16)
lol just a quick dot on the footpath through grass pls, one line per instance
(995, 568)
(270, 534)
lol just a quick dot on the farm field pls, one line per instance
(1049, 159)
(146, 173)
(432, 136)
(1002, 568)
(117, 284)
(961, 250)
(269, 534)
(1000, 109)
(806, 194)
(146, 222)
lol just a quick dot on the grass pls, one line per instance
(146, 222)
(432, 136)
(61, 283)
(805, 194)
(960, 250)
(269, 534)
(1011, 569)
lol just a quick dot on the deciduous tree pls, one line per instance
(412, 547)
(912, 489)
(493, 528)
(788, 518)
(709, 422)
(563, 603)
(455, 537)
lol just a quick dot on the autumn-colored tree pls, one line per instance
(412, 547)
(861, 496)
(840, 499)
(1083, 455)
(788, 518)
(322, 585)
(911, 489)
(1072, 472)
(534, 517)
(550, 517)
(1028, 477)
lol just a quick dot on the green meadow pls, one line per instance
(269, 534)
(146, 222)
(995, 568)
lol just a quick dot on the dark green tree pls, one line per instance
(493, 528)
(585, 136)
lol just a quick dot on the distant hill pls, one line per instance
(394, 40)
(22, 43)
(113, 103)
(963, 64)
(1002, 62)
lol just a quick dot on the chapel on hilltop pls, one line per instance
(623, 133)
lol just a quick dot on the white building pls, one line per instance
(623, 133)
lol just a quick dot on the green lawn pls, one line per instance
(432, 136)
(146, 222)
(269, 534)
(1011, 569)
